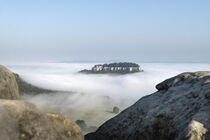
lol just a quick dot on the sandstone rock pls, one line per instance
(66, 129)
(20, 120)
(179, 110)
(8, 85)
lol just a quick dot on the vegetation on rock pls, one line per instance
(121, 64)
(27, 88)
(114, 68)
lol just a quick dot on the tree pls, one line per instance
(116, 110)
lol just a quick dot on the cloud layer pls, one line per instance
(94, 95)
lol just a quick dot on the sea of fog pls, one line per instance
(92, 97)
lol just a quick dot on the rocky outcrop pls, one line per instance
(20, 120)
(66, 129)
(8, 85)
(114, 68)
(179, 110)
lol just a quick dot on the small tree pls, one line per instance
(116, 110)
(81, 124)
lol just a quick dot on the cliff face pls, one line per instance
(179, 110)
(8, 85)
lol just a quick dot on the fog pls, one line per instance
(92, 97)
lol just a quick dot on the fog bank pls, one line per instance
(93, 96)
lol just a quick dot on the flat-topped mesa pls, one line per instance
(120, 68)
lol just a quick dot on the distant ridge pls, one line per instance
(114, 68)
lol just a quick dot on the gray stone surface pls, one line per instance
(179, 110)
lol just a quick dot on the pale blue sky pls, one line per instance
(103, 30)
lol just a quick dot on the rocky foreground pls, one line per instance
(20, 120)
(179, 110)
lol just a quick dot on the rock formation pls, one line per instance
(20, 120)
(179, 110)
(8, 85)
(66, 129)
(114, 68)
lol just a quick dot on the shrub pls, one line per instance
(81, 124)
(116, 110)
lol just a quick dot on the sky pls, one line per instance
(104, 30)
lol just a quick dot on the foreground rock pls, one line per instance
(8, 85)
(66, 129)
(179, 110)
(20, 120)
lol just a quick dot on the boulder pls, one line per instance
(179, 110)
(8, 85)
(20, 120)
(66, 129)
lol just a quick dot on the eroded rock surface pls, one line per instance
(8, 85)
(66, 129)
(179, 110)
(20, 120)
